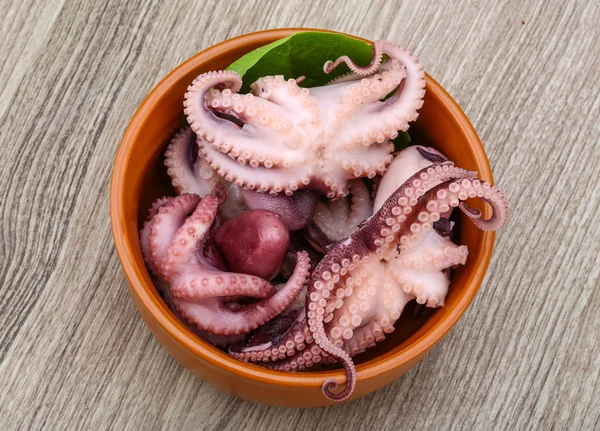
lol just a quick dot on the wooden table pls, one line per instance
(75, 354)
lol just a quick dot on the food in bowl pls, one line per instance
(275, 247)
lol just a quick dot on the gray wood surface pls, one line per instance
(74, 354)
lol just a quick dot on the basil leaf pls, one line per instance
(302, 54)
(401, 141)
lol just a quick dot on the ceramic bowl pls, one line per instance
(139, 177)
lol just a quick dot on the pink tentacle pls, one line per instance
(372, 67)
(489, 194)
(215, 317)
(202, 121)
(165, 224)
(197, 285)
(256, 177)
(146, 230)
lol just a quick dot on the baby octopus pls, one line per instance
(173, 241)
(359, 288)
(281, 138)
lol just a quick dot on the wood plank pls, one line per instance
(74, 353)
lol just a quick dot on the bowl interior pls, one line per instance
(441, 124)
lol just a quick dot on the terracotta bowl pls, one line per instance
(139, 177)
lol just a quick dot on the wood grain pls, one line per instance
(74, 354)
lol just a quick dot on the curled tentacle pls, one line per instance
(371, 68)
(405, 164)
(191, 173)
(224, 321)
(164, 225)
(329, 386)
(489, 194)
(382, 119)
(265, 137)
(256, 178)
(202, 121)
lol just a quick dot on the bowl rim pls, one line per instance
(210, 354)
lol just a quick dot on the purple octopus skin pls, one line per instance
(405, 164)
(296, 210)
(199, 292)
(299, 138)
(254, 242)
(360, 287)
(338, 219)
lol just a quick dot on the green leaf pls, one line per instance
(248, 61)
(401, 141)
(302, 54)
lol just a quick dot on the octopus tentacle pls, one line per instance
(360, 206)
(190, 237)
(146, 229)
(156, 206)
(265, 139)
(470, 188)
(369, 162)
(187, 176)
(273, 343)
(196, 285)
(221, 320)
(197, 176)
(339, 219)
(399, 204)
(165, 224)
(254, 129)
(372, 67)
(404, 165)
(323, 281)
(302, 359)
(256, 178)
(329, 386)
(202, 121)
(293, 99)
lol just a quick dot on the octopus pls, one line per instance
(172, 242)
(281, 138)
(275, 248)
(403, 252)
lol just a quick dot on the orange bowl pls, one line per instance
(139, 177)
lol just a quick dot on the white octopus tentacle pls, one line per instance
(256, 178)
